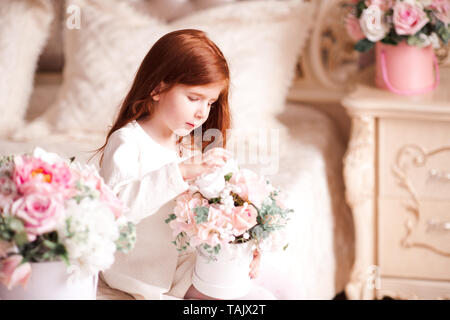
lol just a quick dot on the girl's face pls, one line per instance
(184, 108)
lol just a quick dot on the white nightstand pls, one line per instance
(397, 175)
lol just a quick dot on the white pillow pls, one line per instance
(24, 29)
(261, 41)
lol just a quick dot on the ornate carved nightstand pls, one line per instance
(397, 175)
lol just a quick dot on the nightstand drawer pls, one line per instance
(414, 159)
(414, 239)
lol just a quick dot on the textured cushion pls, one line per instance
(24, 28)
(260, 39)
(52, 57)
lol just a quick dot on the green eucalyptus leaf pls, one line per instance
(16, 224)
(170, 218)
(20, 238)
(201, 214)
(228, 176)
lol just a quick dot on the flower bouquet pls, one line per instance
(404, 32)
(58, 219)
(226, 214)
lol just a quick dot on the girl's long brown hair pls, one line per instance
(186, 57)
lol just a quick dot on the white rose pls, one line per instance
(372, 24)
(230, 166)
(211, 184)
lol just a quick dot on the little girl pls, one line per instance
(182, 84)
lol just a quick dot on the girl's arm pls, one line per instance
(143, 195)
(147, 195)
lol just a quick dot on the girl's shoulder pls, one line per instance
(125, 133)
(123, 136)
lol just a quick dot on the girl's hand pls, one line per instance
(196, 165)
(254, 265)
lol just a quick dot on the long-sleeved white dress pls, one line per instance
(146, 176)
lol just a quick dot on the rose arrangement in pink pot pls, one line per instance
(226, 215)
(58, 220)
(405, 34)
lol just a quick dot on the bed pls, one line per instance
(319, 258)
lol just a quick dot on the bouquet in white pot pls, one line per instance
(51, 210)
(225, 215)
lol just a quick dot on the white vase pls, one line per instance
(226, 277)
(49, 281)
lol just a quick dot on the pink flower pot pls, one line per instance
(405, 69)
(227, 277)
(49, 281)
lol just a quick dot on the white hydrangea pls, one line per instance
(89, 234)
(226, 200)
(432, 40)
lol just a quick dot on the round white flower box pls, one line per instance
(227, 276)
(50, 281)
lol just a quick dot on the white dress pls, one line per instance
(146, 176)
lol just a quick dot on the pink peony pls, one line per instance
(442, 10)
(253, 187)
(33, 170)
(39, 211)
(244, 218)
(409, 18)
(214, 231)
(12, 272)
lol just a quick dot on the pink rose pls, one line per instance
(409, 18)
(244, 218)
(253, 187)
(353, 28)
(5, 247)
(88, 175)
(40, 212)
(12, 272)
(186, 202)
(33, 170)
(442, 10)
